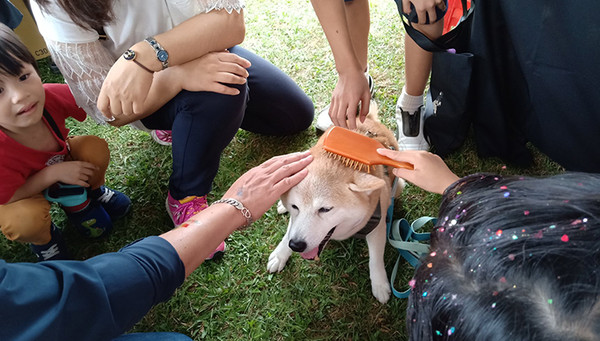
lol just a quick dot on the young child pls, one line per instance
(511, 257)
(516, 259)
(40, 162)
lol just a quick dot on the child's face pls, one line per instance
(21, 99)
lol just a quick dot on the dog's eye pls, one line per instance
(295, 207)
(325, 209)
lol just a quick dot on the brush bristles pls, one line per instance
(349, 162)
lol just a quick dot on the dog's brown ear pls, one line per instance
(364, 182)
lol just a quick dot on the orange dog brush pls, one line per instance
(357, 150)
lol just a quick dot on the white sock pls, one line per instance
(408, 102)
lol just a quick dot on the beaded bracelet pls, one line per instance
(238, 205)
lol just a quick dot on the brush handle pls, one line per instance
(384, 160)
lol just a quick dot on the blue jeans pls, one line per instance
(153, 337)
(203, 123)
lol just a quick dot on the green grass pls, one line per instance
(236, 298)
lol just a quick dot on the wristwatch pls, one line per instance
(161, 54)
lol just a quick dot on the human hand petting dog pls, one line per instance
(257, 190)
(430, 173)
(260, 187)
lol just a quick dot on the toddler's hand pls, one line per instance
(73, 172)
(430, 173)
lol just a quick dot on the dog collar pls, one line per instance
(372, 223)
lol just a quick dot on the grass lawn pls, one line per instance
(236, 298)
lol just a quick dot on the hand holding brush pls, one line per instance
(430, 172)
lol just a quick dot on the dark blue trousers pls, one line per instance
(203, 123)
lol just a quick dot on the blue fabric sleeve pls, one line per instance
(9, 14)
(96, 299)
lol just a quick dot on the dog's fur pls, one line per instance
(336, 201)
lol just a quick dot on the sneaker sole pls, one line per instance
(169, 211)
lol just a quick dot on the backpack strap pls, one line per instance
(53, 124)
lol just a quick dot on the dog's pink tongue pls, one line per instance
(310, 254)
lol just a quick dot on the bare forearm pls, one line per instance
(34, 185)
(202, 233)
(333, 21)
(195, 37)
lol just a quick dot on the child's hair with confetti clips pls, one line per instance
(512, 258)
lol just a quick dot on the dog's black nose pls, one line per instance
(298, 246)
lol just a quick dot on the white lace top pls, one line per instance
(84, 60)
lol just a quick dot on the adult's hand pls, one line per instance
(424, 8)
(212, 72)
(259, 188)
(350, 95)
(430, 172)
(124, 89)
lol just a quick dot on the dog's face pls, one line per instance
(333, 201)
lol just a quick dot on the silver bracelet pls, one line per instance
(238, 205)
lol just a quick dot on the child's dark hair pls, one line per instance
(512, 259)
(14, 53)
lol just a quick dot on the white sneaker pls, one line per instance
(324, 122)
(410, 129)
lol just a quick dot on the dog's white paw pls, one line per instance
(280, 208)
(381, 291)
(277, 261)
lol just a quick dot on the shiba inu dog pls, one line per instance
(336, 202)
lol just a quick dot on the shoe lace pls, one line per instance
(188, 206)
(51, 252)
(106, 196)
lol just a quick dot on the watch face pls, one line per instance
(162, 56)
(129, 55)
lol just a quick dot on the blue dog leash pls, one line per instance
(403, 237)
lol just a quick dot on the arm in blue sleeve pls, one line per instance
(9, 14)
(96, 299)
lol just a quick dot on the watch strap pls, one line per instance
(161, 54)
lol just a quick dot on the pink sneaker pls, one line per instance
(182, 210)
(163, 137)
(218, 253)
